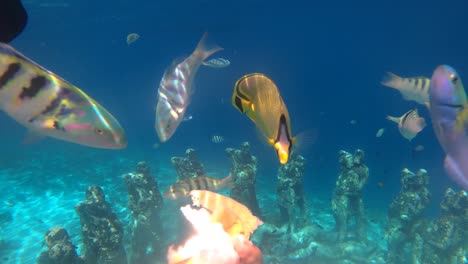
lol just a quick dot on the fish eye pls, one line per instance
(99, 131)
(453, 78)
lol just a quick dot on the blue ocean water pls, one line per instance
(327, 58)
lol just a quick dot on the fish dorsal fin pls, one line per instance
(413, 114)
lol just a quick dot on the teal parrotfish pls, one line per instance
(449, 113)
(176, 89)
(48, 105)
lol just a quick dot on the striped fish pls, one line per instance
(409, 124)
(235, 217)
(217, 63)
(182, 188)
(175, 90)
(217, 139)
(48, 105)
(412, 89)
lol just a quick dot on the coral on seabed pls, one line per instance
(405, 215)
(445, 241)
(101, 230)
(145, 202)
(244, 173)
(188, 166)
(222, 228)
(59, 248)
(290, 192)
(347, 200)
(312, 244)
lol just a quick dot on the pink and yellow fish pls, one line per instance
(448, 109)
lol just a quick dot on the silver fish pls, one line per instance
(47, 105)
(448, 101)
(412, 89)
(217, 63)
(175, 90)
(187, 118)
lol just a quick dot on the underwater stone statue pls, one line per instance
(59, 248)
(347, 196)
(145, 202)
(243, 177)
(290, 192)
(405, 217)
(188, 166)
(101, 230)
(446, 239)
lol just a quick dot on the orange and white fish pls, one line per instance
(182, 188)
(412, 89)
(175, 90)
(409, 124)
(236, 218)
(47, 105)
(222, 228)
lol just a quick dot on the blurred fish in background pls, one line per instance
(217, 139)
(217, 63)
(131, 38)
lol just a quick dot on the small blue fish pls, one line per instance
(217, 139)
(217, 63)
(175, 90)
(187, 118)
(448, 102)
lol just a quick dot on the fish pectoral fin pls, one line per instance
(462, 119)
(32, 137)
(428, 105)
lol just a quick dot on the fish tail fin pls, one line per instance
(391, 80)
(422, 122)
(205, 48)
(227, 182)
(393, 119)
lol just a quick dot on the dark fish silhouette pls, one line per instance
(13, 18)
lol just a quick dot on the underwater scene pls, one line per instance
(233, 132)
